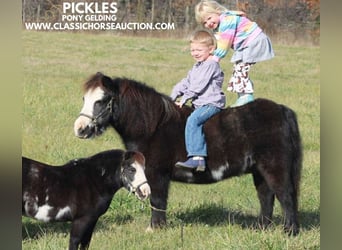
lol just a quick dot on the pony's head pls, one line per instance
(98, 106)
(132, 108)
(133, 174)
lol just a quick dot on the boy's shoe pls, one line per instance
(199, 165)
(243, 99)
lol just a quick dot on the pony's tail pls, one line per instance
(296, 150)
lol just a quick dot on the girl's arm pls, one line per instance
(225, 35)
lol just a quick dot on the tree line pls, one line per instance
(296, 17)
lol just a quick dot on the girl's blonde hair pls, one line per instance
(203, 36)
(207, 7)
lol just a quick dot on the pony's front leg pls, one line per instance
(81, 232)
(158, 219)
(158, 200)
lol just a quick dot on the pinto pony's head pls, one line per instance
(133, 174)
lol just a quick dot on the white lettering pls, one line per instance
(100, 18)
(66, 6)
(70, 18)
(90, 7)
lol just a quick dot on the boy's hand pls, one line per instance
(179, 104)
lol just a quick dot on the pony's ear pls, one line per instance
(108, 84)
(135, 156)
(129, 156)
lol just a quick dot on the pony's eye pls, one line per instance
(132, 170)
(99, 102)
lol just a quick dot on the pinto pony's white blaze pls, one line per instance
(139, 183)
(90, 98)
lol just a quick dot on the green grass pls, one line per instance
(216, 216)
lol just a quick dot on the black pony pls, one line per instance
(261, 138)
(81, 190)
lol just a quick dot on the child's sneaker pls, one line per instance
(199, 165)
(243, 99)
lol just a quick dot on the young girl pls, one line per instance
(203, 85)
(234, 30)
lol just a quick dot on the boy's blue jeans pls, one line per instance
(194, 137)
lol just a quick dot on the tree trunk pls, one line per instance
(152, 11)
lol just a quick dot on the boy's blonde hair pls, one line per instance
(203, 36)
(207, 7)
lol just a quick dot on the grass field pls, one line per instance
(216, 216)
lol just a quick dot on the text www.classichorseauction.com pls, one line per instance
(93, 16)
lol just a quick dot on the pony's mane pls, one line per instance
(93, 82)
(150, 101)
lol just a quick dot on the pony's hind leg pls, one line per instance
(280, 185)
(266, 198)
(288, 201)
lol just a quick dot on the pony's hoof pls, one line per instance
(149, 229)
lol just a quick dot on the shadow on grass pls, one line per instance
(207, 214)
(33, 229)
(214, 215)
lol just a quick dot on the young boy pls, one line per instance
(203, 85)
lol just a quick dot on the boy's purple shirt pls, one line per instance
(203, 85)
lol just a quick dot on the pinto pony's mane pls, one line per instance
(147, 102)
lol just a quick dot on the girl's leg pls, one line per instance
(241, 84)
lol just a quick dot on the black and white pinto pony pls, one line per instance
(261, 138)
(81, 190)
